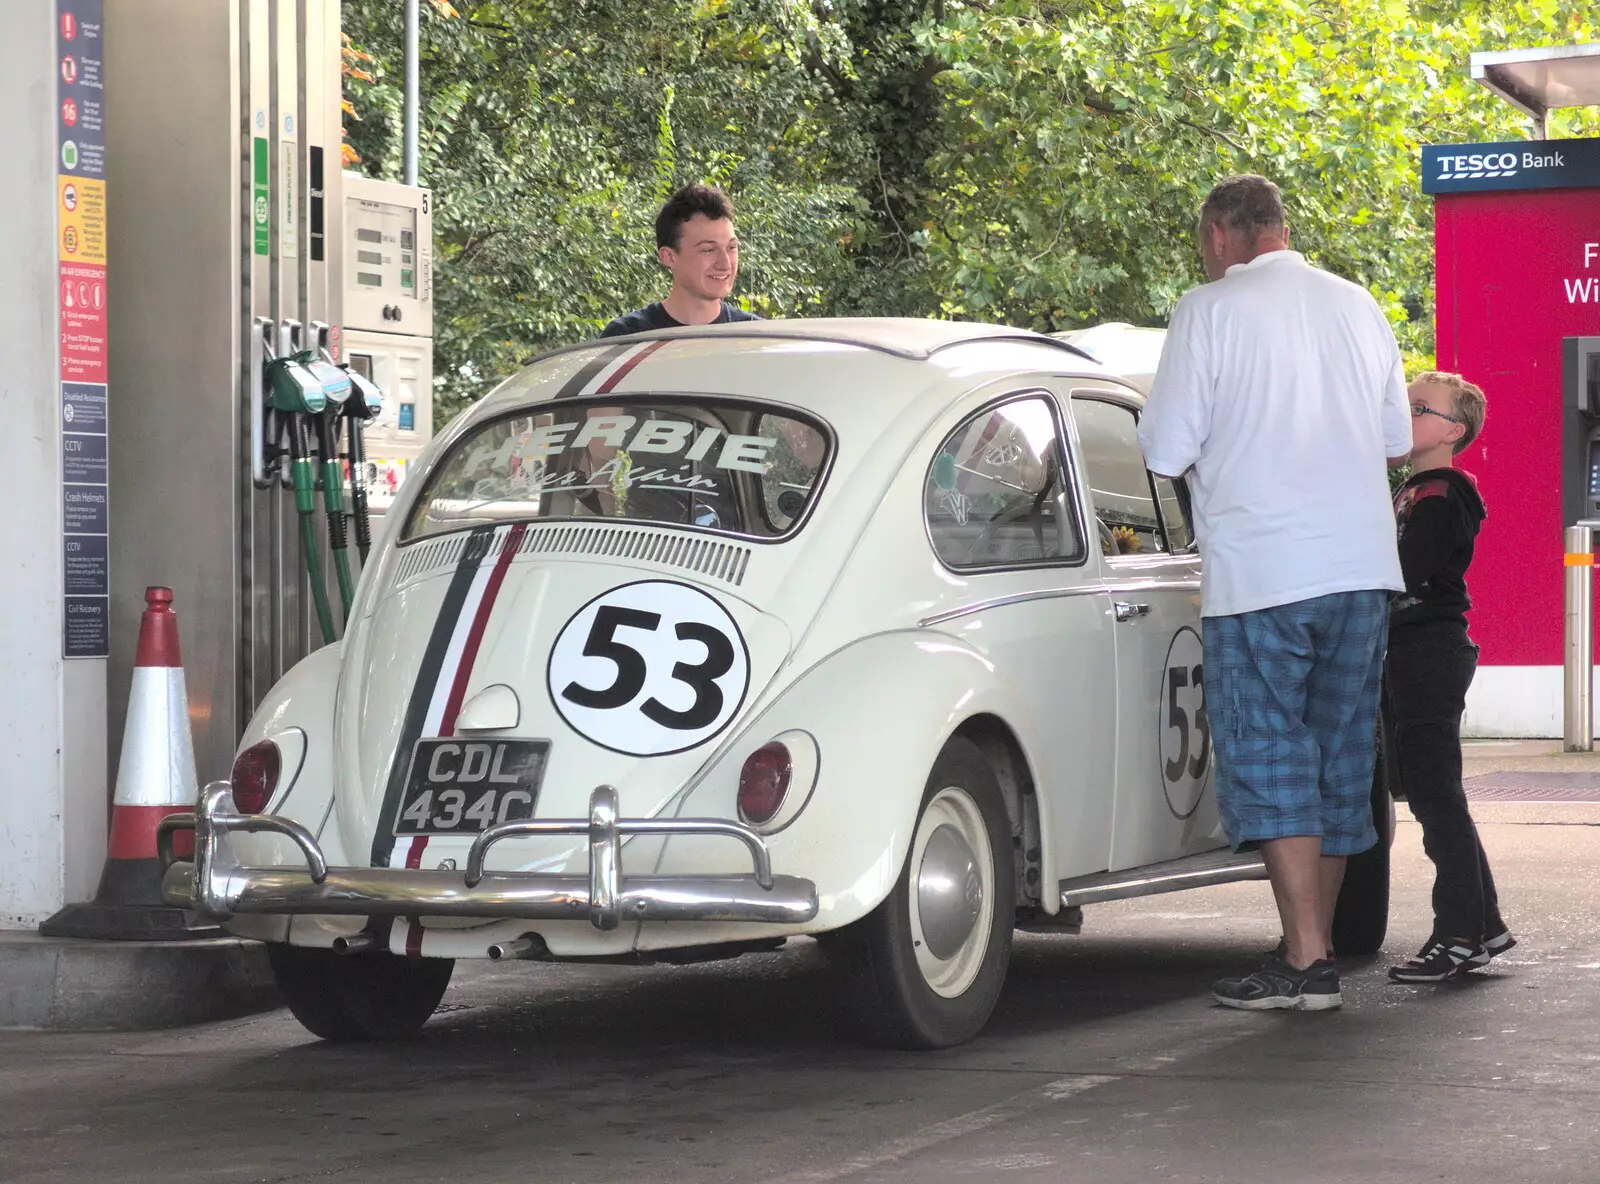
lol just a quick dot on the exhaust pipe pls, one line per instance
(529, 945)
(356, 943)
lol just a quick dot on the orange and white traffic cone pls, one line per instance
(155, 777)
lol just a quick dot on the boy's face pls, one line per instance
(1438, 424)
(706, 261)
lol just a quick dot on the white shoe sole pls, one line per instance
(1284, 1002)
(1491, 952)
(1428, 979)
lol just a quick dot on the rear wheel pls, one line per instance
(924, 969)
(1361, 918)
(350, 997)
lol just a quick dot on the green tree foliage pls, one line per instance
(1081, 135)
(1035, 162)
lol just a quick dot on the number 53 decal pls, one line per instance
(1184, 726)
(649, 669)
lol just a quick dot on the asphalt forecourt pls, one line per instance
(1106, 1061)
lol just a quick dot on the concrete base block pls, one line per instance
(72, 985)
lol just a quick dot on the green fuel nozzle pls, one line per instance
(294, 391)
(293, 388)
(336, 390)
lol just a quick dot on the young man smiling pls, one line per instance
(695, 241)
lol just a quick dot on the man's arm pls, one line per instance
(1177, 415)
(1396, 415)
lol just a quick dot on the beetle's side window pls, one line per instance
(1124, 501)
(1174, 513)
(994, 494)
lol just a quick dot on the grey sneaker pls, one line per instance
(1278, 985)
(1281, 952)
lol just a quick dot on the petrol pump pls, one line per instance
(388, 321)
(1517, 257)
(246, 263)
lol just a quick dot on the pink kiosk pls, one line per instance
(1517, 243)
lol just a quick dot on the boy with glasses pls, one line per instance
(1430, 664)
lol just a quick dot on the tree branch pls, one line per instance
(1217, 132)
(838, 81)
(932, 67)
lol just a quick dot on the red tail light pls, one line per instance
(764, 782)
(255, 777)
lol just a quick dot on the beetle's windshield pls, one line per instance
(737, 467)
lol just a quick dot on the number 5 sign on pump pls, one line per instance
(649, 669)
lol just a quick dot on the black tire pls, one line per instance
(358, 997)
(887, 995)
(1361, 917)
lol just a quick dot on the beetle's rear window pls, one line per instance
(736, 467)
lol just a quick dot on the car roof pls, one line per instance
(906, 337)
(1132, 351)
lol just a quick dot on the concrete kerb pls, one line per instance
(74, 985)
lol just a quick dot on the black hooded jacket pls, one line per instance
(1437, 512)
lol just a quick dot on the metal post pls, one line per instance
(412, 87)
(1578, 655)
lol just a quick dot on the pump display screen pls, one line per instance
(379, 250)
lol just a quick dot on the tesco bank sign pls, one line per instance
(1530, 164)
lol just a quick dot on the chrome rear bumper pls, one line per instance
(217, 887)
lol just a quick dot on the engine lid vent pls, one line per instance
(711, 557)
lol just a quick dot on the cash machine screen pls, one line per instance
(381, 253)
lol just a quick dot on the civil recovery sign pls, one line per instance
(1520, 164)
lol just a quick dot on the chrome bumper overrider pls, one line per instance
(216, 887)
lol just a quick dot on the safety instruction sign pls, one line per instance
(80, 228)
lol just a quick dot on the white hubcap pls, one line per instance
(951, 892)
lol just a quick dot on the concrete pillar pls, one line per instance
(53, 780)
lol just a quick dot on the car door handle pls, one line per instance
(1129, 612)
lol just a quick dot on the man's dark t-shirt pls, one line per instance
(656, 316)
(1438, 512)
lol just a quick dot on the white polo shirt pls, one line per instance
(1281, 388)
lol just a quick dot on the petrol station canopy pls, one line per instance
(1542, 80)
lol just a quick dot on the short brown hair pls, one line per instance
(685, 204)
(1470, 402)
(1246, 203)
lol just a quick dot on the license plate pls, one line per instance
(460, 787)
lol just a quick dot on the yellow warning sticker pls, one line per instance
(81, 214)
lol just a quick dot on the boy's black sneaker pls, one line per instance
(1442, 958)
(1493, 946)
(1278, 985)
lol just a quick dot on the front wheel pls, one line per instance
(924, 969)
(357, 997)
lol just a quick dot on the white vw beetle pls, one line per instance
(682, 644)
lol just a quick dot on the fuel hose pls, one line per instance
(305, 505)
(333, 505)
(356, 426)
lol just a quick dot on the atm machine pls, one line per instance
(238, 238)
(1580, 429)
(388, 320)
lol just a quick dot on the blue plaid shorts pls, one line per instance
(1292, 692)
